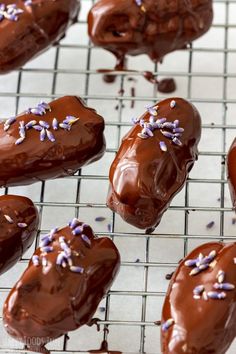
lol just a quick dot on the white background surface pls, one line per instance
(208, 77)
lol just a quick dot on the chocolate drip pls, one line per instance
(155, 28)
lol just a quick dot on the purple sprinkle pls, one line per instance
(172, 104)
(76, 269)
(147, 131)
(178, 130)
(142, 136)
(73, 223)
(46, 249)
(35, 260)
(22, 129)
(198, 290)
(44, 262)
(38, 128)
(163, 146)
(135, 120)
(176, 123)
(9, 219)
(43, 134)
(37, 111)
(60, 259)
(102, 309)
(190, 262)
(152, 110)
(167, 134)
(30, 124)
(22, 225)
(65, 248)
(221, 276)
(70, 120)
(100, 219)
(216, 296)
(53, 232)
(77, 231)
(44, 124)
(176, 141)
(86, 239)
(199, 269)
(19, 141)
(45, 106)
(224, 286)
(141, 123)
(50, 136)
(138, 2)
(64, 126)
(168, 125)
(8, 122)
(161, 120)
(45, 242)
(168, 324)
(55, 124)
(210, 224)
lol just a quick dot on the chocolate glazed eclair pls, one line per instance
(153, 162)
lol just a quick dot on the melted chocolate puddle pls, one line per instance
(104, 349)
(167, 85)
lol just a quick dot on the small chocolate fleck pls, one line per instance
(167, 85)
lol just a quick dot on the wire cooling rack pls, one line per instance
(206, 75)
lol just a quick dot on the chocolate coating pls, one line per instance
(201, 326)
(41, 24)
(155, 28)
(231, 165)
(34, 160)
(15, 240)
(143, 178)
(48, 301)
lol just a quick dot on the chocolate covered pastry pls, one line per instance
(153, 162)
(49, 141)
(60, 290)
(199, 311)
(231, 164)
(147, 26)
(29, 27)
(19, 224)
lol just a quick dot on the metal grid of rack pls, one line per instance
(204, 197)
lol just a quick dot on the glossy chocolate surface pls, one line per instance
(154, 28)
(19, 223)
(40, 25)
(231, 164)
(50, 300)
(143, 178)
(34, 160)
(201, 326)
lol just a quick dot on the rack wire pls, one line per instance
(134, 303)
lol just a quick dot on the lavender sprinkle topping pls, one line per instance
(22, 225)
(86, 239)
(9, 219)
(221, 276)
(216, 296)
(163, 146)
(172, 104)
(77, 269)
(168, 324)
(35, 260)
(224, 286)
